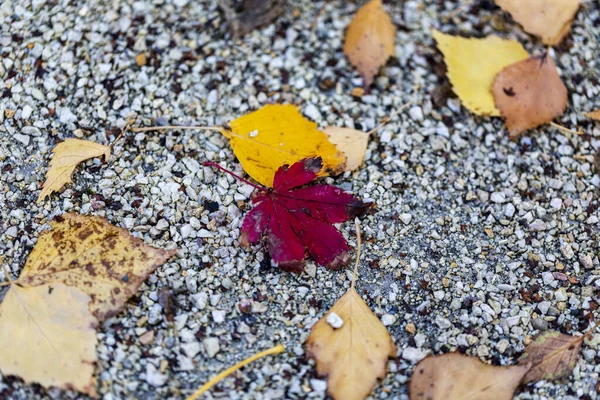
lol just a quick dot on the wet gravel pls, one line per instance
(476, 244)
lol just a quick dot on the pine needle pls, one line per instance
(273, 350)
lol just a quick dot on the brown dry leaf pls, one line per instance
(102, 260)
(549, 19)
(353, 143)
(67, 155)
(529, 93)
(370, 40)
(552, 355)
(355, 355)
(48, 336)
(454, 376)
(244, 16)
(594, 115)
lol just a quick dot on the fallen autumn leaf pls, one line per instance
(454, 376)
(474, 63)
(529, 94)
(353, 351)
(296, 219)
(549, 19)
(370, 40)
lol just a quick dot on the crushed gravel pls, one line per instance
(477, 242)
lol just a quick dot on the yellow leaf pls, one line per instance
(474, 63)
(351, 142)
(370, 40)
(275, 135)
(100, 259)
(355, 355)
(454, 376)
(48, 336)
(594, 115)
(548, 19)
(67, 155)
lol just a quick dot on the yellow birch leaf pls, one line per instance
(370, 40)
(275, 135)
(549, 19)
(351, 142)
(454, 376)
(48, 336)
(474, 63)
(102, 260)
(354, 355)
(67, 155)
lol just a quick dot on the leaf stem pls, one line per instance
(125, 128)
(173, 127)
(387, 119)
(564, 129)
(273, 350)
(213, 164)
(357, 225)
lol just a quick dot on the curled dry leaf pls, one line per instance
(552, 355)
(529, 94)
(104, 261)
(353, 143)
(67, 155)
(454, 376)
(48, 336)
(296, 219)
(276, 135)
(370, 40)
(355, 355)
(474, 63)
(549, 19)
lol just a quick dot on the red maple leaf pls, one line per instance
(298, 219)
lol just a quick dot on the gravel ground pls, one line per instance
(477, 242)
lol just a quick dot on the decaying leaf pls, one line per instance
(597, 162)
(104, 261)
(48, 336)
(474, 63)
(245, 15)
(353, 143)
(67, 155)
(529, 94)
(276, 135)
(552, 355)
(594, 115)
(549, 19)
(454, 376)
(370, 40)
(355, 355)
(296, 218)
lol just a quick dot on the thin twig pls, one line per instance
(357, 225)
(213, 164)
(565, 129)
(125, 128)
(387, 119)
(458, 9)
(173, 127)
(273, 350)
